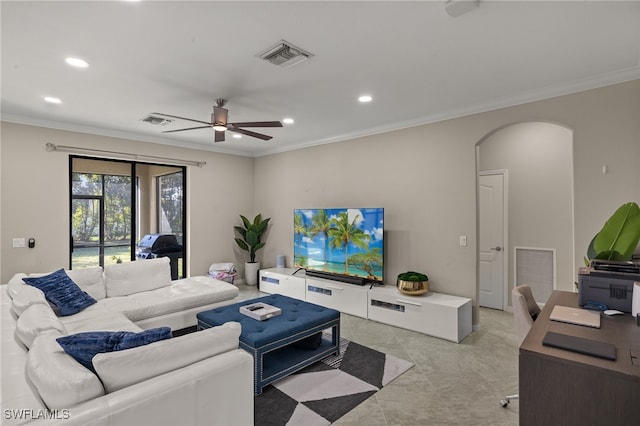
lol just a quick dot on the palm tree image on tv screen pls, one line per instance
(341, 242)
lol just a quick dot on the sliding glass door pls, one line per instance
(101, 212)
(86, 236)
(114, 204)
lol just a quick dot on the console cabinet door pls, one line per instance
(282, 283)
(348, 298)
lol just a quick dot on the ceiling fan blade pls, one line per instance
(250, 133)
(189, 128)
(257, 124)
(219, 137)
(219, 115)
(180, 118)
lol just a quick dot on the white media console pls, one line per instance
(440, 315)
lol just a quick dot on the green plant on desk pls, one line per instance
(619, 237)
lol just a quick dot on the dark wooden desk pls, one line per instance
(559, 387)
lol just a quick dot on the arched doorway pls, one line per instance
(535, 161)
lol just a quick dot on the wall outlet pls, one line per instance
(18, 242)
(463, 240)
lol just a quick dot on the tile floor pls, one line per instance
(451, 384)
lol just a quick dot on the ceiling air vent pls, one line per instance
(158, 121)
(284, 54)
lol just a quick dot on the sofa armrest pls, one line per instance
(215, 391)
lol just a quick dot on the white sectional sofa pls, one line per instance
(193, 379)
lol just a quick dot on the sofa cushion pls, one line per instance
(84, 346)
(181, 295)
(96, 318)
(121, 369)
(15, 284)
(123, 279)
(60, 381)
(90, 280)
(60, 290)
(35, 320)
(26, 297)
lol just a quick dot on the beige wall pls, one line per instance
(35, 198)
(418, 177)
(538, 161)
(424, 177)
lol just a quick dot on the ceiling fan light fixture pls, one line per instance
(220, 124)
(288, 120)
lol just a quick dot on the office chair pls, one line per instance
(525, 312)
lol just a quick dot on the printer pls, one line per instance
(609, 283)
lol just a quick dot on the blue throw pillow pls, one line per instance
(84, 346)
(62, 292)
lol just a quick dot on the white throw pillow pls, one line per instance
(36, 320)
(26, 297)
(60, 380)
(124, 368)
(90, 280)
(123, 279)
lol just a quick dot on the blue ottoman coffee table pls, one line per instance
(283, 344)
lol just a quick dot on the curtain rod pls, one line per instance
(121, 155)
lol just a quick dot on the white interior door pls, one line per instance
(491, 241)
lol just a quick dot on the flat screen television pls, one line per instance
(345, 244)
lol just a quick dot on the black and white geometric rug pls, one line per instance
(325, 391)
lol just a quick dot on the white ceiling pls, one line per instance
(419, 64)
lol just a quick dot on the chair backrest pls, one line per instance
(525, 310)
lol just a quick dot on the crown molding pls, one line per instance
(548, 92)
(113, 133)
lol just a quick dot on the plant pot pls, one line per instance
(412, 288)
(251, 273)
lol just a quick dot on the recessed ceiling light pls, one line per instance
(52, 100)
(237, 136)
(365, 98)
(76, 62)
(287, 120)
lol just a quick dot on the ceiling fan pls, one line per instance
(220, 125)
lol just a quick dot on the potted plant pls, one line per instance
(619, 236)
(251, 240)
(412, 283)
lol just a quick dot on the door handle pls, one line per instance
(498, 248)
